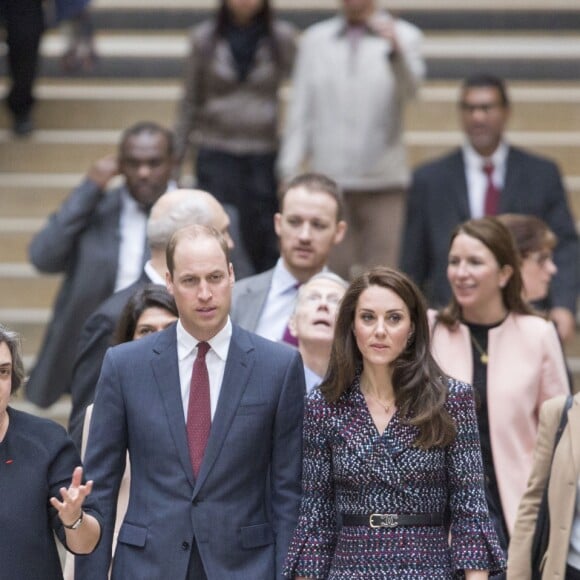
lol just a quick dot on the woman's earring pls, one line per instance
(410, 338)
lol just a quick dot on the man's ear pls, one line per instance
(277, 223)
(341, 228)
(232, 276)
(292, 326)
(169, 282)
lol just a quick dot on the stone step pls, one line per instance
(450, 56)
(48, 151)
(94, 105)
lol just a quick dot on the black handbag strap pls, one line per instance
(563, 422)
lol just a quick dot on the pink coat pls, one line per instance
(526, 367)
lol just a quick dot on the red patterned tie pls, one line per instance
(198, 409)
(491, 191)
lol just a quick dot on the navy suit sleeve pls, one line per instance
(415, 257)
(96, 337)
(287, 459)
(105, 464)
(54, 247)
(564, 287)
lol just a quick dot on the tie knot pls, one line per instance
(202, 348)
(488, 168)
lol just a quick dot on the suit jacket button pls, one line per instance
(185, 546)
(194, 501)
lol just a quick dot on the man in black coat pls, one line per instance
(452, 189)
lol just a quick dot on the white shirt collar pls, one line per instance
(473, 160)
(152, 274)
(220, 343)
(282, 280)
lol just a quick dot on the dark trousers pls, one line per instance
(24, 24)
(248, 183)
(572, 573)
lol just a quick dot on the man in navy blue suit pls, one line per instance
(452, 189)
(218, 508)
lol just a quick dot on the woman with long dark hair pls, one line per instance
(392, 474)
(229, 115)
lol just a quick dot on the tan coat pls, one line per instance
(561, 495)
(526, 367)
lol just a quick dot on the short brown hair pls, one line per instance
(192, 232)
(316, 183)
(420, 385)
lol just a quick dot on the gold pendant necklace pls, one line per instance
(387, 408)
(482, 354)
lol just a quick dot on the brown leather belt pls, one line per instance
(376, 520)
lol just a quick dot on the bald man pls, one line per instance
(171, 212)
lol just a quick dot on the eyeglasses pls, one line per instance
(483, 107)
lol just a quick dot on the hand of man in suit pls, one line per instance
(103, 170)
(565, 323)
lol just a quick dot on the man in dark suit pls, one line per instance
(97, 240)
(309, 225)
(215, 443)
(454, 188)
(170, 212)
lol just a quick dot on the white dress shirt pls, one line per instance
(477, 179)
(279, 304)
(152, 274)
(215, 360)
(132, 232)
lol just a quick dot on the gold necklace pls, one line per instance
(483, 357)
(386, 408)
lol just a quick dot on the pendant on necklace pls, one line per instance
(484, 358)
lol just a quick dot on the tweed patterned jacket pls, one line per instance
(349, 468)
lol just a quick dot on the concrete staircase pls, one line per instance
(534, 44)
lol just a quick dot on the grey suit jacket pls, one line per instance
(242, 508)
(80, 240)
(438, 202)
(249, 298)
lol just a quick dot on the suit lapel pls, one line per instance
(509, 199)
(236, 375)
(574, 426)
(458, 184)
(166, 372)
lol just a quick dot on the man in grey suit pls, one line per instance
(97, 240)
(309, 225)
(452, 189)
(220, 505)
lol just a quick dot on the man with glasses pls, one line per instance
(487, 176)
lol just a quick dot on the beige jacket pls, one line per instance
(526, 367)
(561, 494)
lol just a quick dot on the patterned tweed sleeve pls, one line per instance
(314, 539)
(474, 543)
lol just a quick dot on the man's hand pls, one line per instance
(565, 323)
(384, 26)
(103, 170)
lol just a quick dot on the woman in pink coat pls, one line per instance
(490, 337)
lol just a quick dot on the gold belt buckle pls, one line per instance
(383, 520)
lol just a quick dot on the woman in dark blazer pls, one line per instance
(36, 461)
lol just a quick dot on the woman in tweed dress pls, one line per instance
(392, 474)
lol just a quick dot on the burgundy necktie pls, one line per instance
(491, 191)
(288, 337)
(198, 409)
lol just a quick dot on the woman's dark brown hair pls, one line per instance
(420, 385)
(150, 296)
(498, 240)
